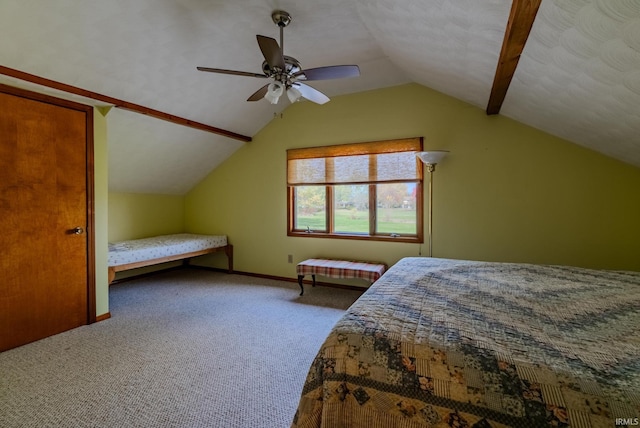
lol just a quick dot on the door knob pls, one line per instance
(77, 231)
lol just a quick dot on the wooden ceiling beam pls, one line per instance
(119, 103)
(523, 13)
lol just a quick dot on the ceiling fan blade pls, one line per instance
(271, 52)
(311, 94)
(330, 72)
(234, 72)
(259, 94)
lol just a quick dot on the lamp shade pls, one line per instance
(274, 91)
(432, 157)
(293, 94)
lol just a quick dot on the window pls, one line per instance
(356, 191)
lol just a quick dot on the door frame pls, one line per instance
(90, 209)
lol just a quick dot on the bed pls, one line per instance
(453, 343)
(136, 253)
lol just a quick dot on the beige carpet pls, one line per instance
(187, 348)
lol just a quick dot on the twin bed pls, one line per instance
(136, 253)
(450, 343)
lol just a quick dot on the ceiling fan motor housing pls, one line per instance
(292, 65)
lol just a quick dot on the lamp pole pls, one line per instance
(430, 168)
(431, 159)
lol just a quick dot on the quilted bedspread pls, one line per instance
(450, 343)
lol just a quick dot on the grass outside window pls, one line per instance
(356, 191)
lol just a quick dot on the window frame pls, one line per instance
(371, 148)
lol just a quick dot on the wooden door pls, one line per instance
(46, 176)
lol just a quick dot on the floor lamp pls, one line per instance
(431, 159)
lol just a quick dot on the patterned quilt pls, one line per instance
(450, 343)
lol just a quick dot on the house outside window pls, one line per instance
(369, 191)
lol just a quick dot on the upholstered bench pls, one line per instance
(369, 271)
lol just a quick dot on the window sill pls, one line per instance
(360, 237)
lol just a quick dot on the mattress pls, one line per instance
(452, 343)
(136, 250)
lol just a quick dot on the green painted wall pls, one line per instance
(137, 215)
(100, 189)
(506, 192)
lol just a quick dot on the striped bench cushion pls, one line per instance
(341, 269)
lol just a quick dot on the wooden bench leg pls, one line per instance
(313, 284)
(229, 251)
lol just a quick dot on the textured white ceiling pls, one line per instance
(578, 77)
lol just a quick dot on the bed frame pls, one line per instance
(228, 249)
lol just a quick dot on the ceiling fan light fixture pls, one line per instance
(274, 92)
(293, 94)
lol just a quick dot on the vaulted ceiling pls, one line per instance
(578, 76)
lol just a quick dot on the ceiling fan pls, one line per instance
(286, 72)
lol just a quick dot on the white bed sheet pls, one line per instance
(136, 250)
